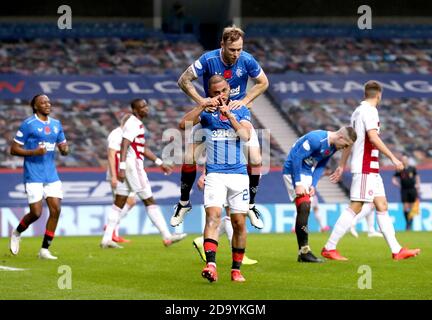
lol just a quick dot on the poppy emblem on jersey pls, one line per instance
(47, 130)
(327, 152)
(222, 117)
(227, 74)
(239, 72)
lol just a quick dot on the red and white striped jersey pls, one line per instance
(133, 130)
(365, 156)
(114, 142)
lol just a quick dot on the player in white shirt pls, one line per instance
(367, 185)
(113, 151)
(133, 178)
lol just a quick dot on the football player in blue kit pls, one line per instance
(36, 141)
(301, 172)
(236, 67)
(224, 132)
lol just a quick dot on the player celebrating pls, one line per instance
(367, 185)
(133, 178)
(236, 66)
(36, 141)
(114, 145)
(226, 179)
(303, 168)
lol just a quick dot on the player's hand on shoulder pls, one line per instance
(336, 175)
(235, 104)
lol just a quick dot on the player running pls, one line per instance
(236, 66)
(133, 178)
(367, 185)
(302, 170)
(36, 141)
(225, 131)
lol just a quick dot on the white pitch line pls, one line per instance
(10, 269)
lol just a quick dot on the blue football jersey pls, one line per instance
(224, 147)
(31, 133)
(237, 74)
(309, 156)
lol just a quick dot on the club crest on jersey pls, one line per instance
(239, 72)
(327, 152)
(370, 192)
(227, 74)
(47, 130)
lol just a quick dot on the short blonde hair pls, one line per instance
(232, 33)
(372, 88)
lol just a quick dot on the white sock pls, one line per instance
(113, 218)
(228, 229)
(365, 211)
(370, 219)
(341, 227)
(318, 218)
(155, 214)
(123, 214)
(388, 231)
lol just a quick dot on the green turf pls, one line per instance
(145, 269)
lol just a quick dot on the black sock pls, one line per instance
(188, 175)
(210, 248)
(253, 186)
(237, 258)
(27, 220)
(301, 226)
(48, 237)
(408, 224)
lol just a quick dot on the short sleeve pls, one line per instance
(22, 134)
(130, 130)
(245, 114)
(114, 140)
(61, 138)
(253, 67)
(371, 119)
(200, 66)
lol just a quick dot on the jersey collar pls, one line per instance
(221, 59)
(44, 122)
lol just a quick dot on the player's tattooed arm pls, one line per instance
(185, 83)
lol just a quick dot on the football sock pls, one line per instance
(319, 219)
(113, 218)
(301, 224)
(48, 237)
(210, 248)
(387, 229)
(341, 227)
(188, 175)
(370, 219)
(237, 258)
(254, 180)
(155, 214)
(27, 220)
(123, 214)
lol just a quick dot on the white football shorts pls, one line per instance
(36, 191)
(220, 188)
(136, 180)
(366, 186)
(305, 180)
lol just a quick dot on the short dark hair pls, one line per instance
(33, 101)
(135, 101)
(216, 79)
(232, 33)
(371, 89)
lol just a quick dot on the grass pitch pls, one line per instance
(145, 269)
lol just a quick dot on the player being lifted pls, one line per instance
(133, 178)
(302, 170)
(367, 185)
(236, 66)
(36, 141)
(227, 180)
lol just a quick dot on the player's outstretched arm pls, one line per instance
(185, 83)
(17, 150)
(380, 145)
(337, 174)
(151, 156)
